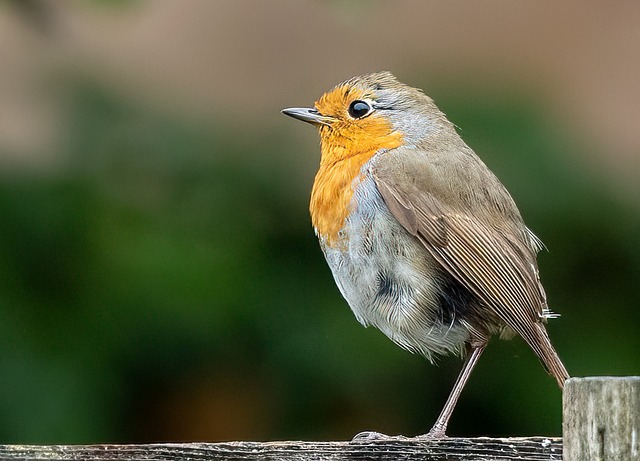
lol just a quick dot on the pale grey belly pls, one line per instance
(390, 281)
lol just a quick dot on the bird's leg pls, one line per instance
(474, 351)
(439, 428)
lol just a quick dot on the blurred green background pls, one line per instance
(159, 277)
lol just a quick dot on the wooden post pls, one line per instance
(601, 419)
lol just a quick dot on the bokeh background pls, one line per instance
(159, 277)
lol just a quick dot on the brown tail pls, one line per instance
(548, 356)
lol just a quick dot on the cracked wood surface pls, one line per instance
(450, 449)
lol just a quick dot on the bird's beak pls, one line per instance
(308, 115)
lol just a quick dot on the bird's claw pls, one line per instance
(371, 436)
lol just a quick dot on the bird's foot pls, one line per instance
(436, 432)
(371, 436)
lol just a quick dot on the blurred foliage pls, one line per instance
(164, 283)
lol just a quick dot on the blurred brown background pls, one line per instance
(159, 278)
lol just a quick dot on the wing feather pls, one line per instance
(483, 244)
(497, 268)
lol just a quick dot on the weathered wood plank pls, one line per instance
(601, 418)
(450, 449)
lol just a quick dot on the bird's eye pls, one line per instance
(358, 109)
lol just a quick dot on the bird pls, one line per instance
(423, 240)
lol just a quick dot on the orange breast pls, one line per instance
(343, 155)
(331, 196)
(346, 145)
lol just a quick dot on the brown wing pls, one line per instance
(496, 267)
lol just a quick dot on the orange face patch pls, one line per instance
(346, 145)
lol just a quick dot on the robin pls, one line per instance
(423, 240)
